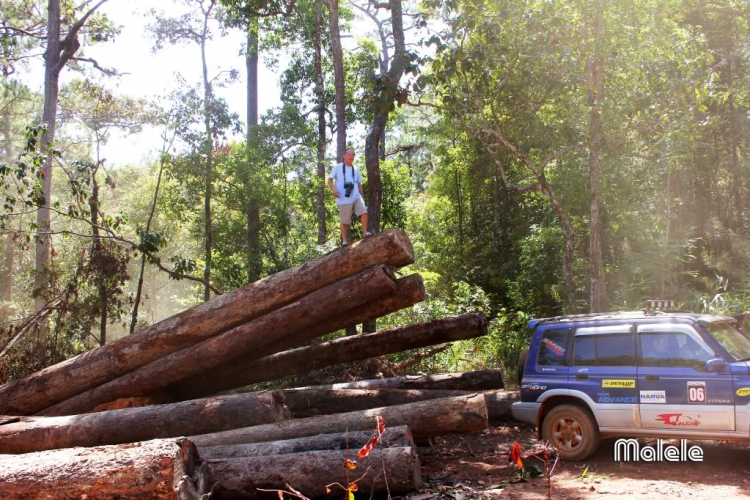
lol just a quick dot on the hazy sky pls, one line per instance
(150, 74)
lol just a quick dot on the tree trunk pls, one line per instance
(391, 470)
(208, 151)
(310, 402)
(425, 419)
(481, 380)
(595, 83)
(253, 202)
(499, 404)
(6, 283)
(49, 117)
(159, 469)
(409, 291)
(377, 128)
(139, 424)
(98, 254)
(399, 436)
(338, 78)
(71, 377)
(276, 331)
(321, 109)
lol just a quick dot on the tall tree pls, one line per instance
(339, 79)
(387, 92)
(60, 51)
(321, 113)
(595, 84)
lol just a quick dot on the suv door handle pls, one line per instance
(652, 378)
(582, 376)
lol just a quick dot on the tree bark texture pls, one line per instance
(276, 331)
(52, 68)
(158, 469)
(321, 111)
(310, 472)
(380, 119)
(399, 436)
(339, 81)
(425, 419)
(208, 148)
(137, 424)
(6, 281)
(312, 402)
(73, 376)
(595, 84)
(343, 350)
(499, 403)
(480, 380)
(253, 204)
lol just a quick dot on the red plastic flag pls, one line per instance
(515, 455)
(373, 442)
(380, 424)
(366, 449)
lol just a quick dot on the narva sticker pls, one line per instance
(621, 384)
(744, 391)
(653, 397)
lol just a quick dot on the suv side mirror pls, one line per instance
(716, 365)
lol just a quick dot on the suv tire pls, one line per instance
(521, 366)
(572, 431)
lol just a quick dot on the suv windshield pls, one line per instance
(731, 340)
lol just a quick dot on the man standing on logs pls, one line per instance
(346, 183)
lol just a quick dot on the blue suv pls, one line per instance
(635, 374)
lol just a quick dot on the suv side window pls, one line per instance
(604, 346)
(553, 348)
(673, 349)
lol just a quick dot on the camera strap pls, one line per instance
(343, 173)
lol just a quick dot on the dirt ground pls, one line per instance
(476, 466)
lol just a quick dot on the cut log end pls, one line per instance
(163, 468)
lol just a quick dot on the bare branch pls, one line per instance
(106, 71)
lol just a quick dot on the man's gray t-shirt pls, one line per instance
(352, 175)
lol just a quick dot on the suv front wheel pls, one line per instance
(572, 430)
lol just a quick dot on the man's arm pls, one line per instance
(361, 191)
(333, 188)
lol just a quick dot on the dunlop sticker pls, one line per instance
(621, 384)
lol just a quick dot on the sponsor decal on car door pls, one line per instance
(604, 368)
(676, 392)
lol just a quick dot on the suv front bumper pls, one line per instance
(525, 412)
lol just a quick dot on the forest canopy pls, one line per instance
(545, 157)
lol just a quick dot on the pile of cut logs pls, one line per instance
(161, 414)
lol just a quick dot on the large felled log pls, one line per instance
(313, 401)
(138, 424)
(73, 376)
(277, 330)
(159, 469)
(499, 403)
(310, 472)
(341, 350)
(425, 419)
(398, 436)
(480, 380)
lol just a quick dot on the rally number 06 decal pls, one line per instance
(696, 392)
